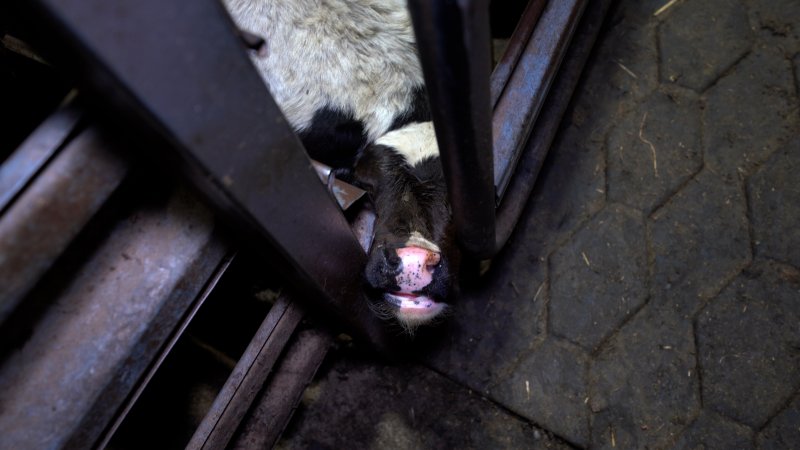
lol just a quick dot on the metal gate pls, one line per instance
(107, 258)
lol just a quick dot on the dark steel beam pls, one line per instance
(454, 46)
(180, 69)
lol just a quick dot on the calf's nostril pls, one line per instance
(392, 261)
(392, 258)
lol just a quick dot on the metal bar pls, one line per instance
(516, 45)
(526, 90)
(454, 46)
(275, 405)
(104, 323)
(165, 351)
(188, 78)
(549, 120)
(48, 215)
(248, 376)
(34, 153)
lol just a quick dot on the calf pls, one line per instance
(346, 75)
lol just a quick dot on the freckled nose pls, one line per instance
(418, 265)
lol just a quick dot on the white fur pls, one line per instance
(415, 141)
(356, 56)
(418, 240)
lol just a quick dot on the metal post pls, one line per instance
(454, 46)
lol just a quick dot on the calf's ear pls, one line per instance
(377, 166)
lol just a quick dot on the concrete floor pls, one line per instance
(650, 296)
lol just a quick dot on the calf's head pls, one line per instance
(411, 265)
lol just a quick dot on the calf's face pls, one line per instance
(411, 265)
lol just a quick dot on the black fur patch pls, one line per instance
(334, 138)
(418, 111)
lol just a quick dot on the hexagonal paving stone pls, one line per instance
(632, 59)
(750, 113)
(624, 69)
(783, 431)
(549, 388)
(748, 340)
(710, 430)
(598, 277)
(570, 188)
(643, 385)
(701, 39)
(699, 241)
(654, 149)
(497, 318)
(779, 19)
(774, 195)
